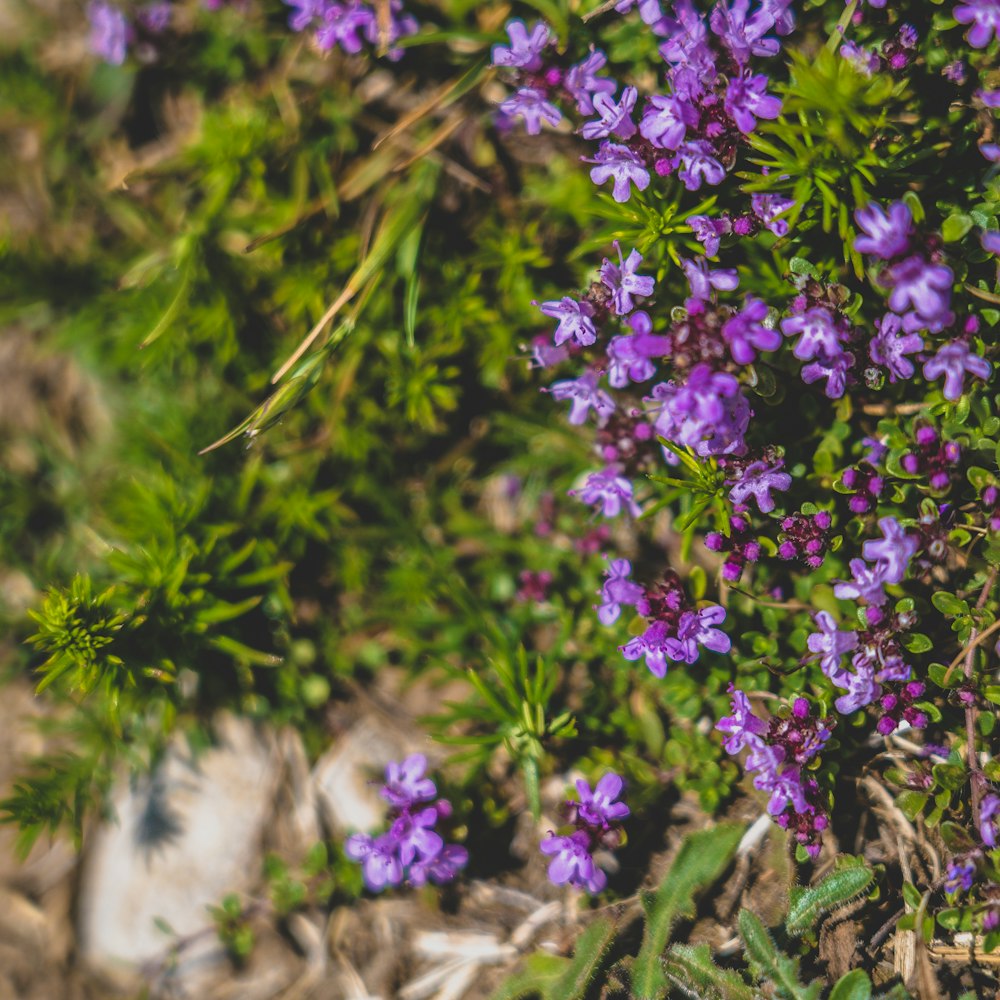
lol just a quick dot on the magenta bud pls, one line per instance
(787, 550)
(939, 480)
(850, 478)
(885, 725)
(751, 551)
(926, 435)
(910, 464)
(714, 541)
(731, 571)
(889, 702)
(813, 546)
(553, 76)
(800, 708)
(822, 520)
(858, 504)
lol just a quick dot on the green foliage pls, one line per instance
(233, 927)
(702, 859)
(807, 905)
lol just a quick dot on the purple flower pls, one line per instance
(575, 321)
(110, 32)
(991, 98)
(834, 371)
(959, 876)
(305, 13)
(887, 235)
(757, 480)
(598, 808)
(414, 837)
(585, 396)
(831, 644)
(405, 784)
(696, 629)
(747, 100)
(743, 727)
(626, 167)
(525, 51)
(742, 35)
(707, 413)
(155, 17)
(530, 104)
(767, 208)
(629, 357)
(707, 231)
(926, 287)
(820, 334)
(441, 868)
(893, 551)
(698, 162)
(989, 809)
(984, 16)
(745, 333)
(399, 25)
(702, 279)
(990, 240)
(866, 584)
(583, 83)
(572, 862)
(614, 118)
(888, 348)
(666, 119)
(610, 491)
(379, 864)
(341, 24)
(623, 281)
(786, 786)
(991, 151)
(952, 361)
(861, 687)
(652, 645)
(617, 590)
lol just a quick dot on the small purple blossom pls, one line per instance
(614, 117)
(866, 584)
(887, 235)
(629, 357)
(585, 395)
(831, 644)
(573, 863)
(959, 876)
(818, 332)
(405, 784)
(652, 645)
(703, 279)
(380, 867)
(530, 104)
(952, 361)
(743, 728)
(617, 590)
(888, 348)
(768, 208)
(835, 371)
(623, 281)
(609, 491)
(984, 16)
(110, 32)
(575, 321)
(989, 810)
(626, 167)
(598, 808)
(923, 286)
(583, 84)
(525, 50)
(666, 119)
(893, 551)
(707, 231)
(697, 629)
(697, 162)
(757, 480)
(746, 334)
(747, 100)
(708, 412)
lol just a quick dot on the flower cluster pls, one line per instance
(112, 32)
(779, 750)
(713, 97)
(596, 818)
(411, 850)
(348, 26)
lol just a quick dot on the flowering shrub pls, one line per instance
(633, 372)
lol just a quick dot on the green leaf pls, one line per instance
(955, 227)
(855, 985)
(949, 604)
(701, 860)
(770, 964)
(838, 888)
(692, 970)
(588, 957)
